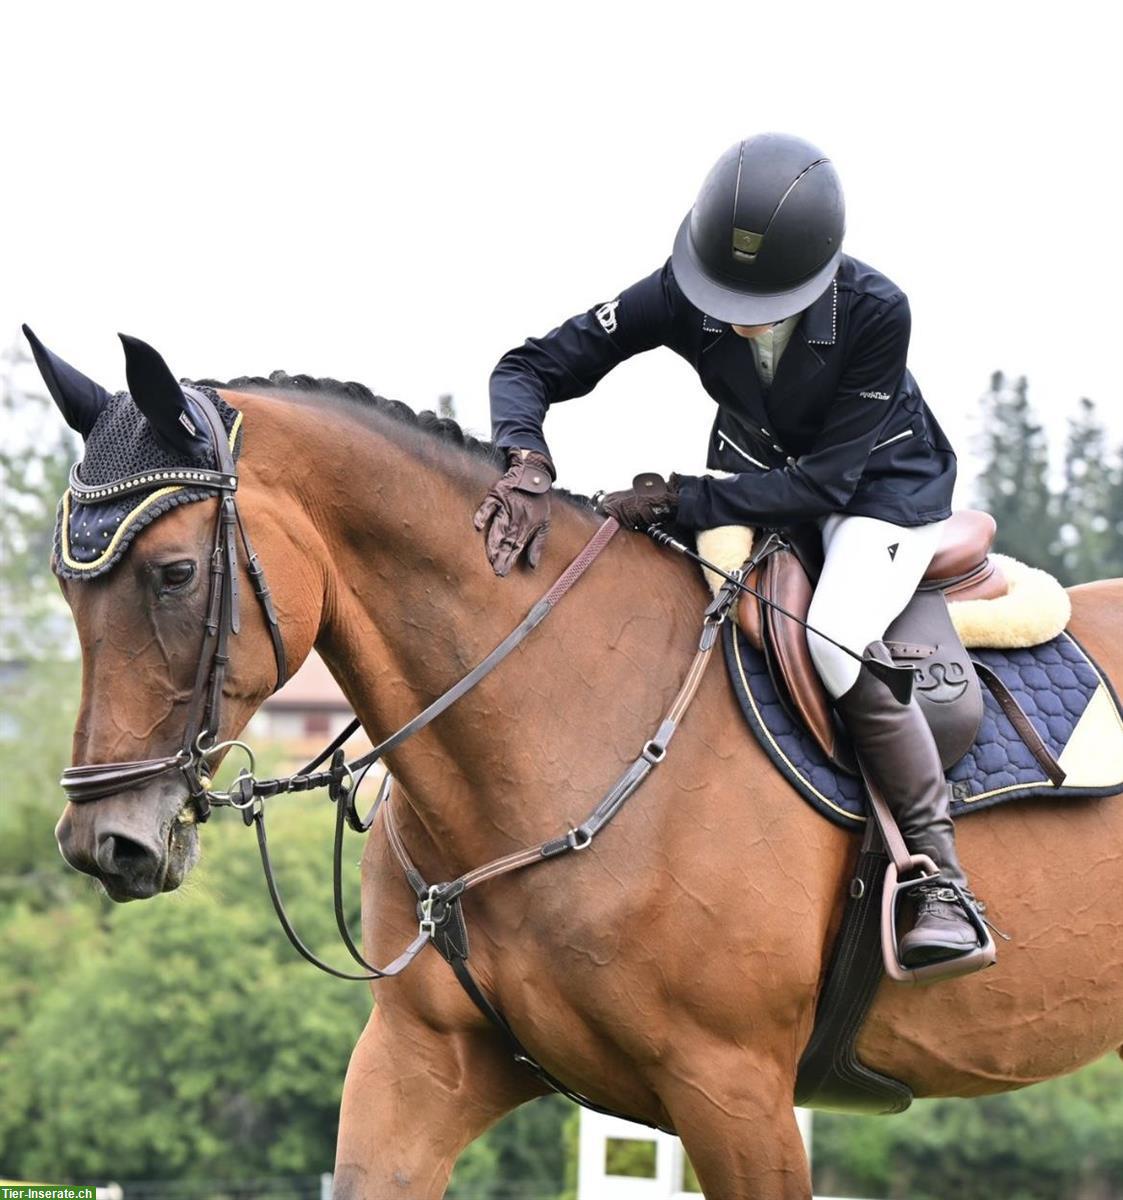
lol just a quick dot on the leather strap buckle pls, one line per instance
(428, 923)
(437, 905)
(654, 752)
(578, 839)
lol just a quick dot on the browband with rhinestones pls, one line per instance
(149, 479)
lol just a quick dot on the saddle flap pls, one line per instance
(785, 582)
(947, 686)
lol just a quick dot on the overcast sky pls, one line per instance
(397, 194)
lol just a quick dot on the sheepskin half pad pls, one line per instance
(1035, 609)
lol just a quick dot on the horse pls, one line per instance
(671, 971)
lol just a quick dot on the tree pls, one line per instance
(1091, 506)
(38, 668)
(1055, 1141)
(181, 1038)
(524, 1155)
(1014, 483)
(35, 459)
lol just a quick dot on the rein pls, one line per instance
(440, 917)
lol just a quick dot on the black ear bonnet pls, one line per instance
(93, 533)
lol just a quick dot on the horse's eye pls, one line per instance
(175, 576)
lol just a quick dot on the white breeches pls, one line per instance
(864, 586)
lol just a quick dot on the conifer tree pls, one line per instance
(1091, 493)
(1014, 482)
(1114, 512)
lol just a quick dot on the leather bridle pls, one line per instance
(94, 781)
(440, 915)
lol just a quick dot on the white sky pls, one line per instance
(398, 194)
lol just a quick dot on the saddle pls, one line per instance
(923, 636)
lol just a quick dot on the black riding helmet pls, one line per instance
(764, 237)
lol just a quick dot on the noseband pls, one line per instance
(93, 781)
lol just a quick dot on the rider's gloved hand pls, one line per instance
(516, 512)
(649, 501)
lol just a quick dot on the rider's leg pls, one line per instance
(870, 573)
(871, 570)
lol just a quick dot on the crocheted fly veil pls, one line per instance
(94, 529)
(147, 450)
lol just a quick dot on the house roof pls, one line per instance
(311, 687)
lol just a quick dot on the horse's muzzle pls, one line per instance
(133, 846)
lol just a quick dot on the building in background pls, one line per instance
(304, 716)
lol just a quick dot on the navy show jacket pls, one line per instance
(843, 428)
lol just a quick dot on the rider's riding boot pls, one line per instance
(898, 751)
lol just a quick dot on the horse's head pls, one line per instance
(146, 545)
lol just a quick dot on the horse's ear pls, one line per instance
(156, 392)
(80, 400)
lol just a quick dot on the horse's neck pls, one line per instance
(411, 606)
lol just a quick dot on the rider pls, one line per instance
(804, 350)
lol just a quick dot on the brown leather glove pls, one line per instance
(649, 501)
(518, 509)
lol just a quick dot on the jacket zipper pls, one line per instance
(724, 437)
(897, 437)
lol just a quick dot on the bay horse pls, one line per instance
(671, 971)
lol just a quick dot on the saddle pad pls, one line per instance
(1070, 702)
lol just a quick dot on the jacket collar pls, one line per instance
(820, 321)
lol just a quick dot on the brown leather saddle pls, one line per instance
(947, 685)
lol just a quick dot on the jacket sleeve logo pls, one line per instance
(606, 316)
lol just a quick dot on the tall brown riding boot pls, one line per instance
(898, 751)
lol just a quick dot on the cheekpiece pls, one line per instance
(127, 478)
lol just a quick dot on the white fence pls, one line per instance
(667, 1180)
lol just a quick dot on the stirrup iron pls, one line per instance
(894, 891)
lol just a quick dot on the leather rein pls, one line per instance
(440, 917)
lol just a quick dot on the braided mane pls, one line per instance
(444, 429)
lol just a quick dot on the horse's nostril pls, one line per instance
(119, 855)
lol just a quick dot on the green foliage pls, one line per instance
(1014, 483)
(523, 1156)
(35, 457)
(1091, 506)
(630, 1157)
(186, 1024)
(1059, 1140)
(37, 707)
(1076, 532)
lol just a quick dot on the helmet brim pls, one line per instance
(725, 303)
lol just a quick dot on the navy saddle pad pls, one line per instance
(1069, 700)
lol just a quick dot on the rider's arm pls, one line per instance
(823, 480)
(570, 360)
